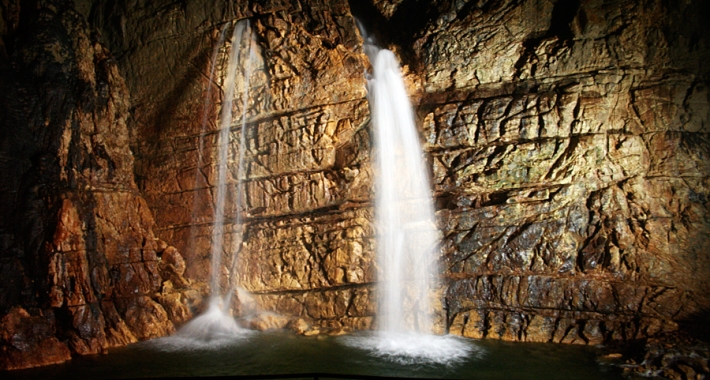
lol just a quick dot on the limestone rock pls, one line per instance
(160, 246)
(299, 326)
(29, 341)
(147, 318)
(268, 321)
(176, 307)
(172, 267)
(304, 194)
(73, 220)
(567, 143)
(566, 140)
(117, 332)
(330, 309)
(312, 332)
(555, 159)
(171, 256)
(670, 355)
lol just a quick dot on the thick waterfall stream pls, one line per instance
(406, 232)
(406, 226)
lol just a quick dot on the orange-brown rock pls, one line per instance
(268, 321)
(171, 256)
(678, 355)
(567, 159)
(29, 341)
(77, 245)
(567, 143)
(304, 195)
(299, 326)
(172, 268)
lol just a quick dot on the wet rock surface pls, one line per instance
(568, 155)
(304, 246)
(674, 355)
(78, 253)
(567, 143)
(29, 341)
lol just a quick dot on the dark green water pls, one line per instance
(284, 352)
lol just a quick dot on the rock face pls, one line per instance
(305, 249)
(29, 341)
(569, 146)
(77, 249)
(567, 142)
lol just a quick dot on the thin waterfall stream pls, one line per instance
(241, 170)
(406, 233)
(217, 323)
(466, 189)
(200, 178)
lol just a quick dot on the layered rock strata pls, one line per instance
(305, 247)
(78, 256)
(567, 142)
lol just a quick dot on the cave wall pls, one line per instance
(567, 142)
(307, 246)
(569, 146)
(78, 261)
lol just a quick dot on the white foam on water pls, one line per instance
(414, 348)
(213, 329)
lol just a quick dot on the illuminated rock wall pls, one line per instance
(567, 141)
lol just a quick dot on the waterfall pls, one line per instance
(216, 324)
(223, 145)
(405, 224)
(191, 244)
(241, 169)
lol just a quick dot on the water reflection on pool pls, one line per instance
(284, 352)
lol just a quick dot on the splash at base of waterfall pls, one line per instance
(414, 348)
(213, 329)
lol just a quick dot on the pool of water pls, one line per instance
(284, 352)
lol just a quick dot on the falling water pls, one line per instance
(216, 324)
(241, 170)
(407, 235)
(407, 238)
(222, 158)
(199, 175)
